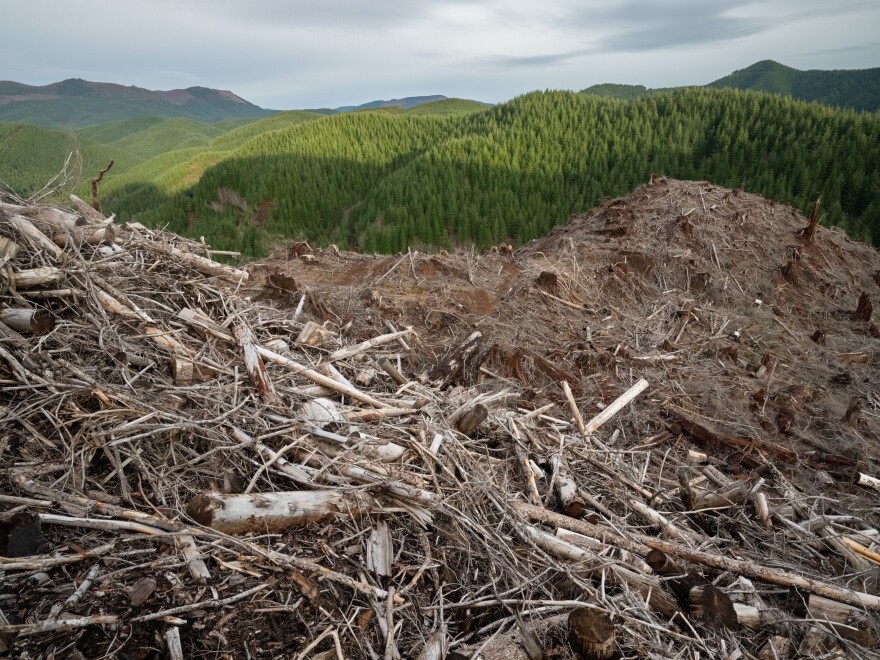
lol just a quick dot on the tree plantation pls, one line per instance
(383, 180)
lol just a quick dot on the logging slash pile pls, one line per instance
(651, 434)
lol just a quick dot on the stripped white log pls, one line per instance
(25, 279)
(667, 528)
(88, 212)
(320, 379)
(616, 406)
(868, 480)
(578, 419)
(190, 551)
(172, 639)
(37, 238)
(241, 514)
(202, 322)
(198, 263)
(380, 550)
(350, 351)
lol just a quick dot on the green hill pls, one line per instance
(853, 89)
(80, 103)
(857, 89)
(382, 180)
(448, 107)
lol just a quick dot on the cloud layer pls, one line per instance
(300, 54)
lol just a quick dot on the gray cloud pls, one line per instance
(298, 53)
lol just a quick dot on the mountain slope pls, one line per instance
(405, 103)
(76, 102)
(857, 89)
(383, 181)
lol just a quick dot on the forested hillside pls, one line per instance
(854, 89)
(386, 180)
(858, 89)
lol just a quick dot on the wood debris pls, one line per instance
(190, 465)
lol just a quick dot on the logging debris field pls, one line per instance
(651, 433)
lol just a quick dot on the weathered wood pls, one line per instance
(616, 406)
(253, 362)
(87, 235)
(172, 635)
(8, 250)
(864, 309)
(591, 634)
(731, 495)
(37, 238)
(313, 334)
(320, 379)
(451, 365)
(713, 606)
(25, 279)
(28, 321)
(847, 621)
(198, 263)
(186, 372)
(351, 351)
(570, 499)
(241, 514)
(380, 550)
(809, 232)
(640, 543)
(471, 420)
(389, 369)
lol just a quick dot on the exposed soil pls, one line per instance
(761, 351)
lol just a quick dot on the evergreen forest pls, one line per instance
(388, 179)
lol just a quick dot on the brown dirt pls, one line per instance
(630, 272)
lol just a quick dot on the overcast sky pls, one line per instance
(295, 54)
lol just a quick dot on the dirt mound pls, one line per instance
(651, 433)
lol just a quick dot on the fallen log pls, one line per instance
(274, 512)
(450, 367)
(26, 279)
(28, 321)
(638, 543)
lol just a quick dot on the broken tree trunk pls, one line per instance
(591, 634)
(28, 321)
(809, 232)
(96, 203)
(864, 309)
(240, 514)
(452, 365)
(253, 362)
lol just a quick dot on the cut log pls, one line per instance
(87, 235)
(273, 512)
(868, 480)
(662, 564)
(186, 372)
(25, 279)
(591, 634)
(253, 362)
(198, 263)
(451, 366)
(570, 499)
(37, 238)
(386, 366)
(731, 495)
(472, 419)
(28, 321)
(313, 334)
(351, 351)
(848, 622)
(713, 606)
(751, 569)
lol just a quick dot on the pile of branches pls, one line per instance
(190, 470)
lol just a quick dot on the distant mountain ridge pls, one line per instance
(856, 89)
(77, 102)
(406, 103)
